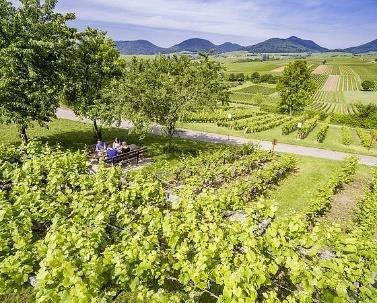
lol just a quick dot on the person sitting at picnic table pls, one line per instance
(116, 144)
(100, 146)
(125, 148)
(111, 153)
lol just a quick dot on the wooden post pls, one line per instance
(274, 143)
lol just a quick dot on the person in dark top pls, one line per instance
(125, 148)
(112, 153)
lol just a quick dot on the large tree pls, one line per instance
(160, 90)
(35, 44)
(96, 64)
(296, 87)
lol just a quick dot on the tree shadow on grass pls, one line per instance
(74, 140)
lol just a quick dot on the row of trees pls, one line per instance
(44, 62)
(254, 77)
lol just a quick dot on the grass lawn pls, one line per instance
(251, 67)
(257, 89)
(362, 97)
(296, 191)
(76, 135)
(333, 139)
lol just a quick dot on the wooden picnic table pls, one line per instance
(135, 153)
(128, 156)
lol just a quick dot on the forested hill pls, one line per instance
(364, 48)
(275, 45)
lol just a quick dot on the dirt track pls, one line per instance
(321, 70)
(331, 84)
(278, 70)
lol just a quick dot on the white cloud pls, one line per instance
(251, 20)
(226, 17)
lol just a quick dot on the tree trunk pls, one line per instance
(170, 133)
(97, 130)
(23, 134)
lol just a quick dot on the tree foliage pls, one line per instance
(95, 64)
(238, 77)
(296, 87)
(162, 89)
(35, 44)
(368, 85)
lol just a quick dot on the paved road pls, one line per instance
(266, 145)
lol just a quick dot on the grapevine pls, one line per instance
(116, 236)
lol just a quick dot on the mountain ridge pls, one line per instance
(292, 44)
(138, 47)
(363, 48)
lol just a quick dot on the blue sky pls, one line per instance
(331, 23)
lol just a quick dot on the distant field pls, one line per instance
(348, 83)
(322, 70)
(250, 67)
(360, 97)
(339, 83)
(331, 84)
(320, 80)
(338, 79)
(241, 98)
(279, 69)
(366, 71)
(257, 89)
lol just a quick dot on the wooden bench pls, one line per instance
(126, 157)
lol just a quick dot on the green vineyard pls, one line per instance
(220, 114)
(335, 101)
(334, 107)
(203, 230)
(257, 89)
(256, 124)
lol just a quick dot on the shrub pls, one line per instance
(292, 126)
(365, 137)
(367, 85)
(255, 77)
(366, 117)
(346, 135)
(307, 127)
(321, 135)
(267, 78)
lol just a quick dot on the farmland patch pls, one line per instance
(322, 70)
(331, 84)
(257, 89)
(279, 69)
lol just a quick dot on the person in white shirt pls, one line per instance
(117, 145)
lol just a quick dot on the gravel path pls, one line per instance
(266, 145)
